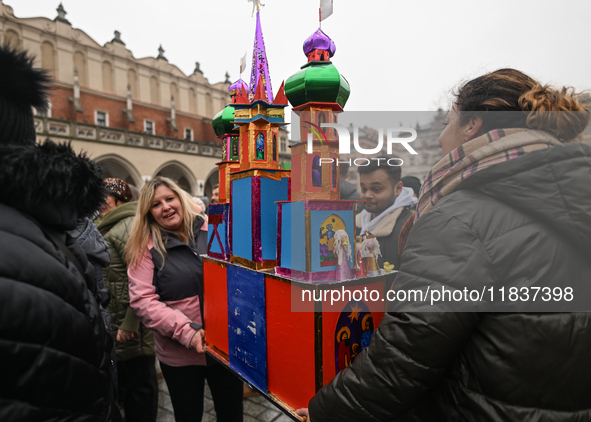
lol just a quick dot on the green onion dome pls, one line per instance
(223, 122)
(318, 82)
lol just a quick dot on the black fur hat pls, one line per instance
(21, 87)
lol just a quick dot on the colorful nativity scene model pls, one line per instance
(281, 234)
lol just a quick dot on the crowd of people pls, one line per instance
(97, 282)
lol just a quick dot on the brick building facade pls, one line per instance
(138, 117)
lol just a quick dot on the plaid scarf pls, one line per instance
(494, 147)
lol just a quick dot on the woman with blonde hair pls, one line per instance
(505, 216)
(166, 292)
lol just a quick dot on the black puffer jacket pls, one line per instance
(524, 222)
(54, 361)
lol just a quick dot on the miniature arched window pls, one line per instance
(234, 148)
(274, 147)
(48, 58)
(322, 119)
(107, 77)
(80, 65)
(260, 146)
(316, 172)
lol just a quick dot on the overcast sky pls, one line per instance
(396, 54)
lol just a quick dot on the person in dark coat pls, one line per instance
(387, 205)
(54, 349)
(506, 207)
(412, 182)
(97, 252)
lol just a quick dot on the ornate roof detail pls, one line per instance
(161, 53)
(118, 38)
(61, 15)
(260, 65)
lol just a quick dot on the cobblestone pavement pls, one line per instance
(256, 408)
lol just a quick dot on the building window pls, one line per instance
(43, 113)
(48, 58)
(192, 101)
(154, 90)
(132, 81)
(188, 134)
(80, 65)
(101, 118)
(12, 39)
(107, 77)
(283, 144)
(149, 127)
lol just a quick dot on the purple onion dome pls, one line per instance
(239, 84)
(319, 41)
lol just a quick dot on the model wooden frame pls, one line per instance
(253, 215)
(257, 321)
(303, 233)
(218, 231)
(324, 146)
(255, 120)
(252, 328)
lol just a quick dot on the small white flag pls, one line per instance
(325, 9)
(243, 63)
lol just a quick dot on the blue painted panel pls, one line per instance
(247, 326)
(298, 236)
(286, 235)
(215, 246)
(217, 210)
(222, 232)
(318, 218)
(271, 191)
(242, 218)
